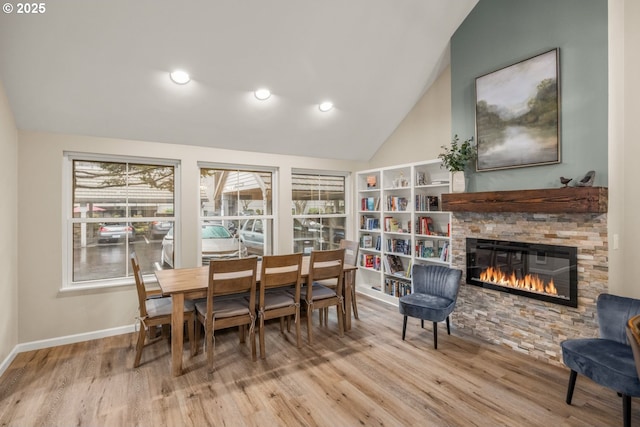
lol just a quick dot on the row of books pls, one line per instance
(369, 223)
(393, 265)
(369, 204)
(431, 249)
(396, 203)
(370, 261)
(400, 246)
(395, 225)
(400, 204)
(397, 288)
(366, 241)
(427, 203)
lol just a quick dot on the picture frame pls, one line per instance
(518, 114)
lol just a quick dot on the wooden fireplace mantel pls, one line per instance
(548, 200)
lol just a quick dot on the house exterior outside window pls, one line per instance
(319, 206)
(116, 206)
(239, 200)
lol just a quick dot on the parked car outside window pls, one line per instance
(252, 235)
(217, 243)
(158, 229)
(115, 233)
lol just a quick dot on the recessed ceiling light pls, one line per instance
(180, 77)
(325, 106)
(262, 94)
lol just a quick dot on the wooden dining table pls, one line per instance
(192, 283)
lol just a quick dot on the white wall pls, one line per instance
(624, 150)
(9, 221)
(423, 131)
(40, 188)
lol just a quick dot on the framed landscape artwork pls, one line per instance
(518, 114)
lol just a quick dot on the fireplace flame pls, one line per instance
(530, 282)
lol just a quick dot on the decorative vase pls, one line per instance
(458, 182)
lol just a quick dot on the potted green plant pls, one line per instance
(455, 159)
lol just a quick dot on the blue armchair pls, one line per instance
(607, 360)
(435, 291)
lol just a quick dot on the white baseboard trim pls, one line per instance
(68, 339)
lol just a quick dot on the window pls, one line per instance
(319, 211)
(241, 202)
(117, 206)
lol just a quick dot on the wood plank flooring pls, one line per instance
(370, 377)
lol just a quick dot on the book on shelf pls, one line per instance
(444, 252)
(439, 181)
(396, 288)
(425, 249)
(425, 225)
(393, 265)
(392, 224)
(366, 241)
(370, 261)
(372, 181)
(427, 203)
(369, 204)
(401, 246)
(397, 203)
(369, 223)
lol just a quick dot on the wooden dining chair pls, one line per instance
(351, 249)
(279, 293)
(324, 265)
(231, 301)
(155, 312)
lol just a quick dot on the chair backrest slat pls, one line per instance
(326, 265)
(351, 249)
(140, 288)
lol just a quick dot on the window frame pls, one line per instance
(69, 221)
(274, 171)
(347, 215)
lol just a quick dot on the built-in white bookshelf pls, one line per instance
(400, 223)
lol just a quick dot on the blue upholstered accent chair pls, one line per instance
(607, 360)
(434, 295)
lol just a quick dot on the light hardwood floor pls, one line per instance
(369, 377)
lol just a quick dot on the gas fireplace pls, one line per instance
(545, 272)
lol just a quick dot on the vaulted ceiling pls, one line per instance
(101, 68)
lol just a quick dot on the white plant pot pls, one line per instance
(458, 182)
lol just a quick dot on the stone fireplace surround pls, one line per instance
(523, 324)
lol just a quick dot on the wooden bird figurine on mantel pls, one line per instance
(565, 181)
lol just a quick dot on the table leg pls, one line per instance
(177, 327)
(347, 300)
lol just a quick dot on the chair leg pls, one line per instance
(191, 331)
(340, 317)
(209, 345)
(404, 327)
(140, 345)
(448, 327)
(252, 338)
(572, 385)
(297, 320)
(422, 323)
(309, 322)
(435, 335)
(198, 327)
(626, 410)
(263, 353)
(354, 303)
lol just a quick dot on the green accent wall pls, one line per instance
(498, 33)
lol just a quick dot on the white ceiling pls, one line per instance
(101, 68)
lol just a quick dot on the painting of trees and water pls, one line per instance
(517, 114)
